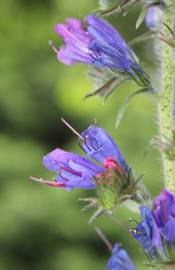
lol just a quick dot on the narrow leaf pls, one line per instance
(126, 103)
(141, 17)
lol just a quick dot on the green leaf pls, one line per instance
(126, 103)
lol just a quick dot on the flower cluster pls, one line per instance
(155, 232)
(113, 179)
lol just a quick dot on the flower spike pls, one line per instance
(155, 232)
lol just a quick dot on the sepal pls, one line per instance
(113, 188)
(104, 82)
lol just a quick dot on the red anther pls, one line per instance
(109, 163)
(99, 175)
(99, 183)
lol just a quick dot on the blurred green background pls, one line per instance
(42, 227)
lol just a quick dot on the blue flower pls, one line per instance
(74, 171)
(155, 232)
(100, 146)
(143, 232)
(108, 47)
(119, 260)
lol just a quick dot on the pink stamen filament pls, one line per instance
(70, 171)
(67, 169)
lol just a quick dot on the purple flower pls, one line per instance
(76, 41)
(164, 215)
(143, 232)
(74, 171)
(153, 16)
(119, 260)
(96, 43)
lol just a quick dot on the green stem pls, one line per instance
(165, 104)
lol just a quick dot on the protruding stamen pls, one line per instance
(53, 46)
(47, 182)
(73, 130)
(104, 238)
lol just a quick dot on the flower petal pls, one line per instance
(144, 230)
(76, 41)
(74, 171)
(164, 214)
(119, 260)
(105, 33)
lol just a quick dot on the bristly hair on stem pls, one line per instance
(166, 97)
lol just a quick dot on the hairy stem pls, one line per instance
(165, 104)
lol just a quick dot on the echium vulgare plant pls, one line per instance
(94, 42)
